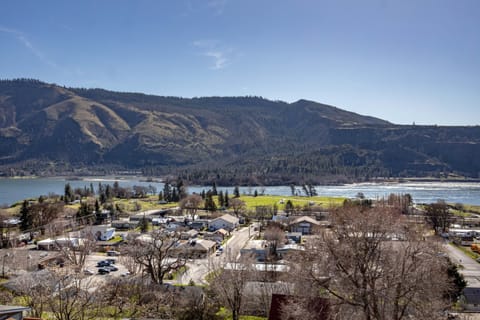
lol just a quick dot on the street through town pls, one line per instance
(197, 269)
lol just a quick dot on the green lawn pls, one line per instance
(252, 202)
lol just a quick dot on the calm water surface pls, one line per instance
(13, 190)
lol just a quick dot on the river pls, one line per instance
(14, 190)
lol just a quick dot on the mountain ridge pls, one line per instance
(46, 128)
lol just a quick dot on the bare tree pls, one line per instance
(122, 295)
(59, 291)
(129, 262)
(367, 275)
(238, 206)
(275, 237)
(43, 213)
(70, 299)
(35, 288)
(438, 215)
(76, 250)
(157, 253)
(191, 204)
(228, 283)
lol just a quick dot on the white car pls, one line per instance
(88, 272)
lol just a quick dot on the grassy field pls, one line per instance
(150, 203)
(252, 202)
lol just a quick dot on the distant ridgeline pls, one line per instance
(49, 129)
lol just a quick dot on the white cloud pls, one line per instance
(219, 57)
(23, 39)
(212, 49)
(217, 5)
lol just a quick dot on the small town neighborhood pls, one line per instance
(246, 262)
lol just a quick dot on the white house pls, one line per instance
(53, 244)
(227, 222)
(101, 232)
(255, 248)
(196, 248)
(304, 225)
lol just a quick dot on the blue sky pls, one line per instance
(403, 61)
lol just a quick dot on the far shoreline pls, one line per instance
(140, 178)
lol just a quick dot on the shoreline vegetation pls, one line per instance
(161, 179)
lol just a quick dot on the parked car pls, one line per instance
(113, 253)
(103, 271)
(88, 272)
(111, 268)
(103, 263)
(111, 261)
(124, 274)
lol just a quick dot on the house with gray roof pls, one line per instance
(227, 222)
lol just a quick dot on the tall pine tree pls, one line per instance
(25, 217)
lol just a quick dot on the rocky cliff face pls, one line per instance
(41, 123)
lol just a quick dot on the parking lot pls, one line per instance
(93, 259)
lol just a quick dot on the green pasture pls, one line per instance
(251, 202)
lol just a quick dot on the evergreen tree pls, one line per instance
(108, 192)
(174, 197)
(221, 200)
(226, 200)
(98, 212)
(214, 189)
(68, 193)
(160, 196)
(143, 225)
(210, 203)
(236, 192)
(255, 193)
(289, 207)
(181, 189)
(25, 217)
(167, 192)
(97, 206)
(100, 188)
(84, 210)
(116, 189)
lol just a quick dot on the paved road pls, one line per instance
(470, 268)
(199, 268)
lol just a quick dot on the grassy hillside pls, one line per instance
(47, 129)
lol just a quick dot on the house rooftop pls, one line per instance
(305, 219)
(222, 231)
(255, 244)
(12, 309)
(227, 217)
(472, 295)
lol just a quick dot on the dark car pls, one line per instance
(103, 271)
(112, 253)
(111, 261)
(103, 263)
